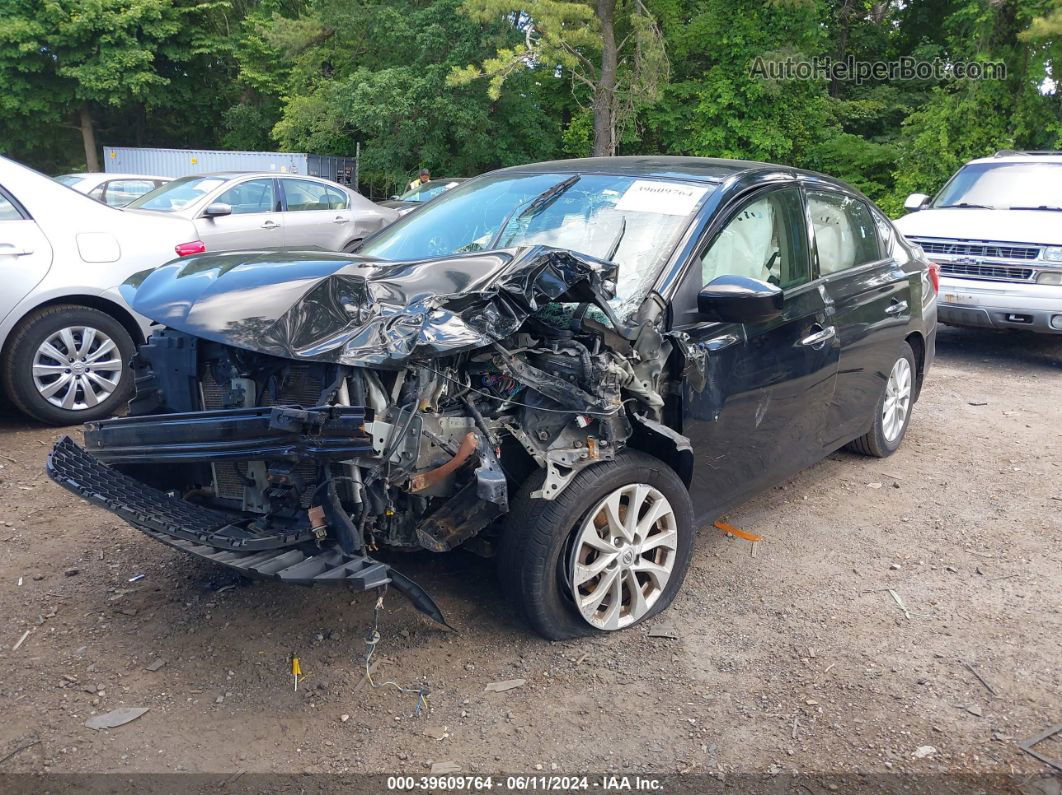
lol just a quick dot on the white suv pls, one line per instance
(996, 231)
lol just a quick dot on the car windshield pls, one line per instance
(635, 222)
(176, 195)
(429, 190)
(69, 179)
(1004, 186)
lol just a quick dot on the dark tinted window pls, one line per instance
(845, 232)
(764, 240)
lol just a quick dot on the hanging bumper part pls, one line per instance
(291, 555)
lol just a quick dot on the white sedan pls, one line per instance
(66, 335)
(116, 190)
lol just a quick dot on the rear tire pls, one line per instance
(892, 412)
(67, 364)
(548, 545)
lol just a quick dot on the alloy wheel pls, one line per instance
(77, 367)
(623, 556)
(897, 400)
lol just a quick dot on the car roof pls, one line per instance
(1011, 156)
(112, 175)
(699, 169)
(708, 169)
(237, 174)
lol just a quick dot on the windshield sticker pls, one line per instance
(662, 198)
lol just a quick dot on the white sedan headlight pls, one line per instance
(1050, 277)
(1053, 253)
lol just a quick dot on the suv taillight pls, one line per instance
(934, 277)
(188, 249)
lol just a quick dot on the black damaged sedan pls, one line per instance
(566, 366)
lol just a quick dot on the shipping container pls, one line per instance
(187, 162)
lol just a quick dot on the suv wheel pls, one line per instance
(893, 409)
(68, 364)
(612, 550)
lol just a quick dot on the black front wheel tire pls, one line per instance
(610, 551)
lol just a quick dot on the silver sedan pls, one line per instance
(240, 210)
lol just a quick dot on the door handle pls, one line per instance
(339, 219)
(270, 225)
(11, 251)
(819, 337)
(896, 307)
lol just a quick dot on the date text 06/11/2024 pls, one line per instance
(457, 783)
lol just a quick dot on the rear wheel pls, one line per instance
(611, 551)
(68, 364)
(893, 409)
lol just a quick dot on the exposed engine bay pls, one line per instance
(372, 407)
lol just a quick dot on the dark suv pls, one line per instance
(568, 366)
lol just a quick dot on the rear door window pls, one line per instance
(302, 195)
(337, 199)
(846, 235)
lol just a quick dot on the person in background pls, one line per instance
(424, 177)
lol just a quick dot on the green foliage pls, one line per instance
(462, 86)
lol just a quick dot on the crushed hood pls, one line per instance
(352, 310)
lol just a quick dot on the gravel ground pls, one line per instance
(793, 654)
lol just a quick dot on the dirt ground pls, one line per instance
(790, 655)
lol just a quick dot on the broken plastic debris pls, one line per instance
(115, 718)
(508, 684)
(441, 768)
(137, 577)
(726, 527)
(922, 751)
(155, 665)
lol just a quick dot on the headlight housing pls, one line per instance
(1053, 253)
(1050, 277)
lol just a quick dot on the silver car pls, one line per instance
(239, 210)
(66, 334)
(115, 190)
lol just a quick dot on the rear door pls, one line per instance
(870, 294)
(760, 414)
(25, 254)
(256, 221)
(316, 215)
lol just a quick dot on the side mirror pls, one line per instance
(739, 299)
(915, 202)
(217, 209)
(395, 197)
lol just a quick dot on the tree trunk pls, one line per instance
(605, 90)
(88, 137)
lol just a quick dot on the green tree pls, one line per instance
(62, 59)
(613, 48)
(350, 71)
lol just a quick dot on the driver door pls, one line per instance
(761, 414)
